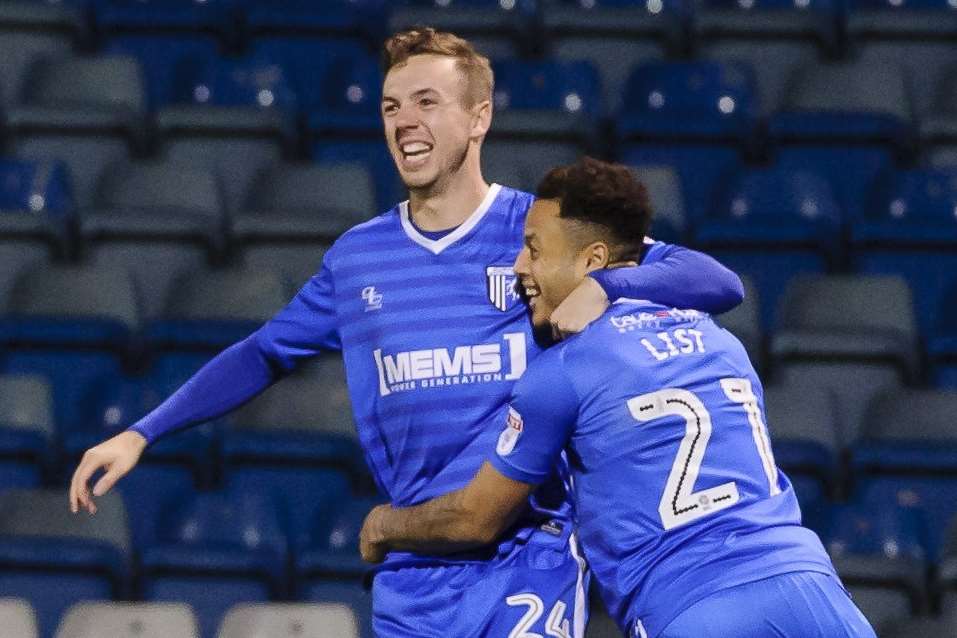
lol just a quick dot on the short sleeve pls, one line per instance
(537, 423)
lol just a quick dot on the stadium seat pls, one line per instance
(916, 35)
(26, 429)
(911, 231)
(350, 594)
(554, 100)
(128, 620)
(522, 164)
(880, 549)
(701, 169)
(946, 581)
(389, 189)
(696, 102)
(29, 31)
(36, 211)
(87, 112)
(497, 29)
(164, 16)
(773, 224)
(840, 327)
(943, 348)
(216, 550)
(806, 435)
(670, 222)
(337, 18)
(160, 55)
(295, 211)
(18, 618)
(72, 324)
(157, 220)
(911, 627)
(55, 559)
(230, 116)
(213, 309)
(614, 36)
(350, 100)
(882, 606)
(289, 620)
(331, 554)
(744, 322)
(932, 495)
(774, 37)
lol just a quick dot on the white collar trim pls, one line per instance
(436, 246)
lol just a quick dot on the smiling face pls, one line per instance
(428, 127)
(552, 262)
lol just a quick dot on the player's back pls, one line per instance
(676, 489)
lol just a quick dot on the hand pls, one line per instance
(371, 543)
(117, 456)
(586, 303)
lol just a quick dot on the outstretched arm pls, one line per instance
(668, 275)
(470, 517)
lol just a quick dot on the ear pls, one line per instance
(481, 119)
(597, 255)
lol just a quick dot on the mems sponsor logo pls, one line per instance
(439, 367)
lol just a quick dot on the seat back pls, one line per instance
(128, 620)
(17, 618)
(290, 619)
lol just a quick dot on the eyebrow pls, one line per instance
(417, 94)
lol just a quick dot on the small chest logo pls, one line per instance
(501, 287)
(372, 298)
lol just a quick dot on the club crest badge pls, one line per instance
(501, 283)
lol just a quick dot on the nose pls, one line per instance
(521, 263)
(405, 118)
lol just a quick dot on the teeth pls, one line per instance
(415, 148)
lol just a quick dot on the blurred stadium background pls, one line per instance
(172, 170)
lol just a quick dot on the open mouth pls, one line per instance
(415, 152)
(531, 292)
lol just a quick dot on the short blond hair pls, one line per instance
(475, 67)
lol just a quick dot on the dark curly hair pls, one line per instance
(474, 66)
(605, 201)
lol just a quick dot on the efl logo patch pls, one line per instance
(501, 282)
(509, 436)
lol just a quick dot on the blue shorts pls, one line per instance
(794, 605)
(540, 587)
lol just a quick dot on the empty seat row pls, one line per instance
(165, 620)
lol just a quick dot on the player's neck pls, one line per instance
(449, 205)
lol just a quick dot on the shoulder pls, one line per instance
(361, 235)
(544, 372)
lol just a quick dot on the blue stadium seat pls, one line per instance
(911, 231)
(690, 101)
(332, 550)
(26, 430)
(359, 18)
(159, 56)
(880, 549)
(71, 324)
(773, 224)
(670, 222)
(943, 348)
(701, 169)
(350, 99)
(214, 551)
(85, 111)
(55, 559)
(554, 99)
(211, 16)
(614, 35)
(933, 497)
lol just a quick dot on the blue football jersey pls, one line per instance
(676, 491)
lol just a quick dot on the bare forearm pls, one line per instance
(441, 526)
